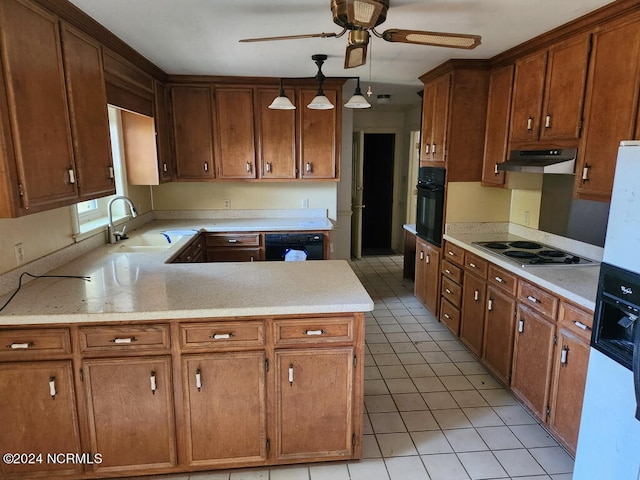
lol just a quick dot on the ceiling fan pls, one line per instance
(359, 17)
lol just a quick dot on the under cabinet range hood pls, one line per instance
(558, 160)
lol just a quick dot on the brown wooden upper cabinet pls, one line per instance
(320, 136)
(434, 119)
(277, 136)
(234, 143)
(497, 132)
(611, 106)
(193, 131)
(548, 92)
(166, 168)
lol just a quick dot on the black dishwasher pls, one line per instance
(277, 244)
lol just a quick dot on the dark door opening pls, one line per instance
(377, 180)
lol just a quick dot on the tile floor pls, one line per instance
(432, 411)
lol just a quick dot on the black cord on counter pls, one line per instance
(87, 279)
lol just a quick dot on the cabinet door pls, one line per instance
(432, 279)
(193, 132)
(528, 88)
(532, 357)
(497, 132)
(314, 401)
(497, 342)
(610, 107)
(473, 305)
(38, 415)
(225, 412)
(419, 286)
(277, 137)
(38, 114)
(428, 98)
(440, 118)
(130, 410)
(567, 392)
(163, 133)
(89, 119)
(564, 92)
(319, 137)
(235, 144)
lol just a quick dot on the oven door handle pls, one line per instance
(636, 369)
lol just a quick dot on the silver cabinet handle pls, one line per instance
(433, 148)
(206, 166)
(152, 379)
(52, 387)
(530, 123)
(428, 259)
(447, 270)
(447, 316)
(421, 255)
(495, 169)
(314, 332)
(521, 325)
(547, 121)
(581, 325)
(564, 354)
(198, 380)
(248, 167)
(72, 176)
(268, 166)
(476, 295)
(125, 341)
(490, 304)
(448, 291)
(18, 346)
(499, 280)
(232, 240)
(164, 167)
(308, 167)
(472, 265)
(291, 374)
(427, 148)
(452, 254)
(111, 174)
(532, 299)
(221, 336)
(585, 173)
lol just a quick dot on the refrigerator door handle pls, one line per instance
(636, 369)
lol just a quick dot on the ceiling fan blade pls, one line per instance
(437, 39)
(355, 56)
(290, 37)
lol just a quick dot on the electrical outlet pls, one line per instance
(227, 203)
(526, 218)
(305, 203)
(19, 251)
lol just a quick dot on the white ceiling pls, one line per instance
(201, 36)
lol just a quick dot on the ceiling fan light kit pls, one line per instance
(358, 17)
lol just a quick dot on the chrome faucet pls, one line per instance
(112, 233)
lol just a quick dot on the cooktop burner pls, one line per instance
(527, 253)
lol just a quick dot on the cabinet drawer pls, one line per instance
(499, 277)
(450, 317)
(475, 264)
(453, 253)
(25, 342)
(234, 254)
(576, 320)
(233, 240)
(124, 338)
(296, 331)
(538, 299)
(452, 271)
(451, 291)
(222, 334)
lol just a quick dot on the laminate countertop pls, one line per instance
(125, 284)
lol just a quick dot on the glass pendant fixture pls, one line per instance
(357, 100)
(281, 102)
(320, 101)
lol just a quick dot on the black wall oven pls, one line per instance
(430, 211)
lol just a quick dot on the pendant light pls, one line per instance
(320, 101)
(357, 100)
(281, 102)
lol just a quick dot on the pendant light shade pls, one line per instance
(357, 100)
(320, 101)
(281, 102)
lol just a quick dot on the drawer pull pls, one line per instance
(198, 380)
(248, 167)
(232, 240)
(521, 326)
(152, 378)
(476, 295)
(473, 265)
(222, 336)
(447, 316)
(581, 325)
(451, 253)
(448, 291)
(533, 299)
(421, 255)
(17, 346)
(314, 332)
(499, 279)
(563, 356)
(291, 374)
(447, 270)
(124, 341)
(52, 387)
(308, 167)
(490, 304)
(427, 259)
(530, 123)
(268, 167)
(547, 121)
(72, 176)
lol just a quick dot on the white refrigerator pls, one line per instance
(609, 439)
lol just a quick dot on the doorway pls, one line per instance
(377, 193)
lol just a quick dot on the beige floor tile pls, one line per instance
(451, 418)
(444, 466)
(380, 348)
(431, 442)
(288, 473)
(518, 463)
(499, 438)
(370, 448)
(404, 348)
(483, 381)
(422, 370)
(366, 425)
(375, 387)
(225, 476)
(396, 445)
(481, 465)
(369, 469)
(409, 401)
(329, 471)
(439, 400)
(427, 346)
(429, 384)
(386, 359)
(398, 337)
(498, 397)
(249, 474)
(372, 373)
(465, 440)
(435, 357)
(553, 459)
(469, 398)
(446, 369)
(471, 368)
(450, 345)
(419, 337)
(393, 371)
(412, 327)
(391, 328)
(456, 382)
(460, 356)
(401, 385)
(406, 468)
(411, 358)
(514, 415)
(419, 420)
(390, 422)
(375, 338)
(379, 403)
(442, 335)
(533, 436)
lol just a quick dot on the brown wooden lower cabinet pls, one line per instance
(497, 342)
(427, 282)
(473, 310)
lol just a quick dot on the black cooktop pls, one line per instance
(528, 253)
